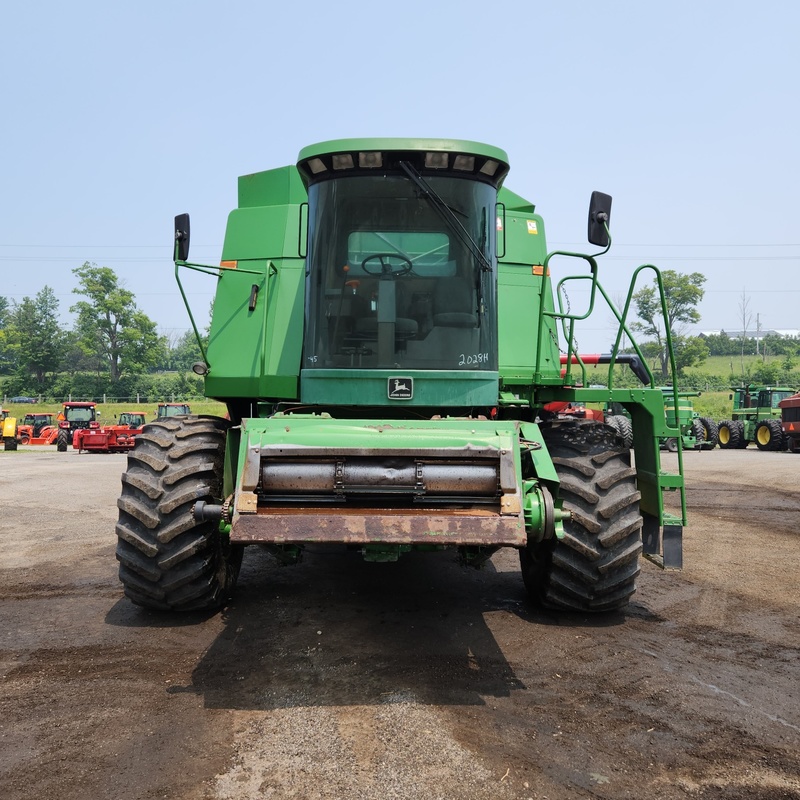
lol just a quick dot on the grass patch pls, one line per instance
(108, 411)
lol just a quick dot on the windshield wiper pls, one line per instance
(447, 215)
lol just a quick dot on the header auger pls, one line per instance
(387, 340)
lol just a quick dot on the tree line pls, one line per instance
(682, 295)
(114, 348)
(110, 347)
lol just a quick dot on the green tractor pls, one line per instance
(756, 418)
(165, 410)
(395, 360)
(696, 432)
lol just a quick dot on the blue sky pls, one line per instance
(117, 116)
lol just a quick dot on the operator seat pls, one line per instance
(454, 304)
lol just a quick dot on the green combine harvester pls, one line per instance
(396, 362)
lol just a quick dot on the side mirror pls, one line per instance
(181, 252)
(599, 218)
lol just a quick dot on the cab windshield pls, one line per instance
(80, 414)
(393, 282)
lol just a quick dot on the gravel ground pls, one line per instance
(421, 679)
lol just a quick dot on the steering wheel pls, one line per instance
(394, 270)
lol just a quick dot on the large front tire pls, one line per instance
(594, 567)
(62, 442)
(769, 435)
(731, 434)
(168, 561)
(710, 433)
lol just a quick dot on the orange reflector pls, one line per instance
(229, 264)
(538, 269)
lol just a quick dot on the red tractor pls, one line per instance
(117, 438)
(75, 417)
(790, 421)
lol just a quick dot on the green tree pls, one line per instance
(689, 350)
(720, 344)
(775, 344)
(682, 293)
(5, 356)
(110, 326)
(35, 335)
(185, 352)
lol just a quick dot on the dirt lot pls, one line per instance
(421, 679)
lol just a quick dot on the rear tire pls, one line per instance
(594, 567)
(699, 433)
(731, 434)
(769, 435)
(167, 560)
(711, 429)
(62, 442)
(622, 425)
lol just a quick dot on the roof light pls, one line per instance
(200, 368)
(229, 264)
(343, 161)
(436, 160)
(489, 167)
(317, 165)
(370, 160)
(465, 163)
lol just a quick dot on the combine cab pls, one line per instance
(75, 417)
(37, 429)
(117, 438)
(388, 341)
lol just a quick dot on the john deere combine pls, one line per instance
(389, 344)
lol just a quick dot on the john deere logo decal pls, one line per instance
(401, 388)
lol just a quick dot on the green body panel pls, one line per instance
(256, 353)
(431, 388)
(374, 434)
(685, 414)
(523, 247)
(274, 187)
